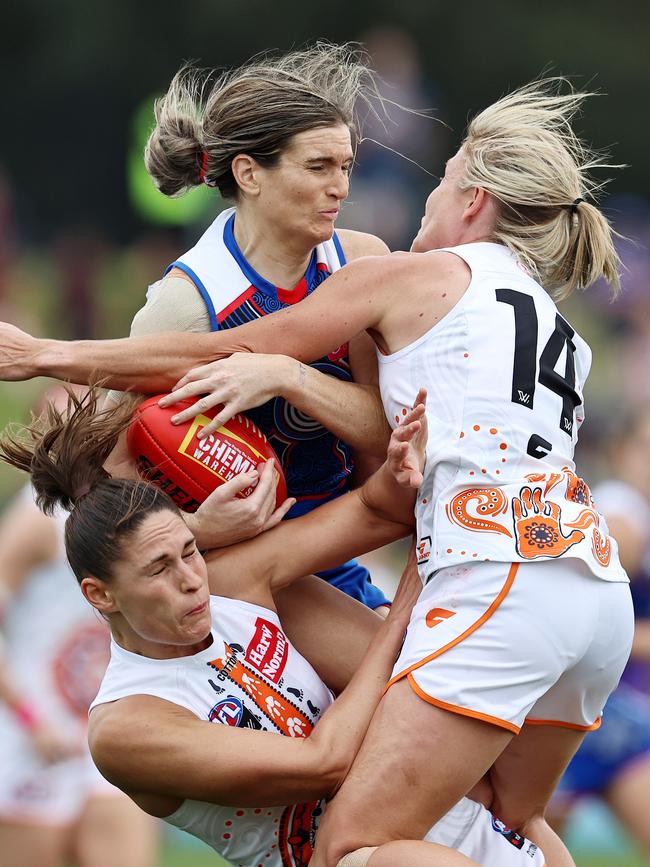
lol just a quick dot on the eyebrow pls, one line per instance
(165, 556)
(330, 160)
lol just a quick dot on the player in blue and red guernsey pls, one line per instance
(276, 138)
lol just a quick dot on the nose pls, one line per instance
(190, 579)
(340, 185)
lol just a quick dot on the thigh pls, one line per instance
(114, 832)
(415, 763)
(28, 845)
(329, 628)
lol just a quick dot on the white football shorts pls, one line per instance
(34, 792)
(543, 643)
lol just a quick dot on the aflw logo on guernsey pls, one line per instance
(225, 457)
(268, 649)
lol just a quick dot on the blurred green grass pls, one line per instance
(178, 855)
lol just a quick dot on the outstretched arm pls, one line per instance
(348, 302)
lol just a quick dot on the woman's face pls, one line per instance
(302, 194)
(442, 220)
(159, 588)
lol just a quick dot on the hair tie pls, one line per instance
(204, 167)
(83, 491)
(574, 205)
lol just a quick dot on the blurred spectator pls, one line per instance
(55, 807)
(613, 762)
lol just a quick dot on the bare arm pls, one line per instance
(367, 518)
(28, 539)
(350, 410)
(347, 303)
(166, 751)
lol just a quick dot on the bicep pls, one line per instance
(165, 750)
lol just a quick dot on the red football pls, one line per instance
(172, 457)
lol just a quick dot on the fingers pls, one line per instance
(195, 374)
(262, 500)
(421, 398)
(405, 432)
(279, 513)
(229, 490)
(229, 411)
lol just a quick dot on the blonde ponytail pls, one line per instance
(524, 152)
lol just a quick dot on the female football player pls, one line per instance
(55, 807)
(276, 137)
(182, 658)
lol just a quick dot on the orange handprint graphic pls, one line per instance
(537, 526)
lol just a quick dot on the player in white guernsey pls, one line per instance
(525, 614)
(54, 804)
(199, 687)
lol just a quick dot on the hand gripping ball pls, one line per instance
(187, 468)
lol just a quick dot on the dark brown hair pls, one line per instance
(206, 119)
(64, 452)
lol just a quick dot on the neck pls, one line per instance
(280, 260)
(134, 643)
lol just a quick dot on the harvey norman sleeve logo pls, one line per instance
(268, 649)
(223, 452)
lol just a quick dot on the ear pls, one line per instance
(246, 172)
(99, 595)
(476, 204)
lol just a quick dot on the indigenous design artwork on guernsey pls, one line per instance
(537, 520)
(283, 715)
(297, 833)
(484, 502)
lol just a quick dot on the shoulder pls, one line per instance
(175, 304)
(357, 244)
(435, 267)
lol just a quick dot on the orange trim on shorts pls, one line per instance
(463, 711)
(563, 725)
(470, 629)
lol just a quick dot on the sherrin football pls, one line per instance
(187, 468)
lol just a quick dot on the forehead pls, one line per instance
(160, 533)
(455, 165)
(325, 141)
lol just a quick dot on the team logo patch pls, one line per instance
(268, 649)
(511, 836)
(424, 549)
(228, 712)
